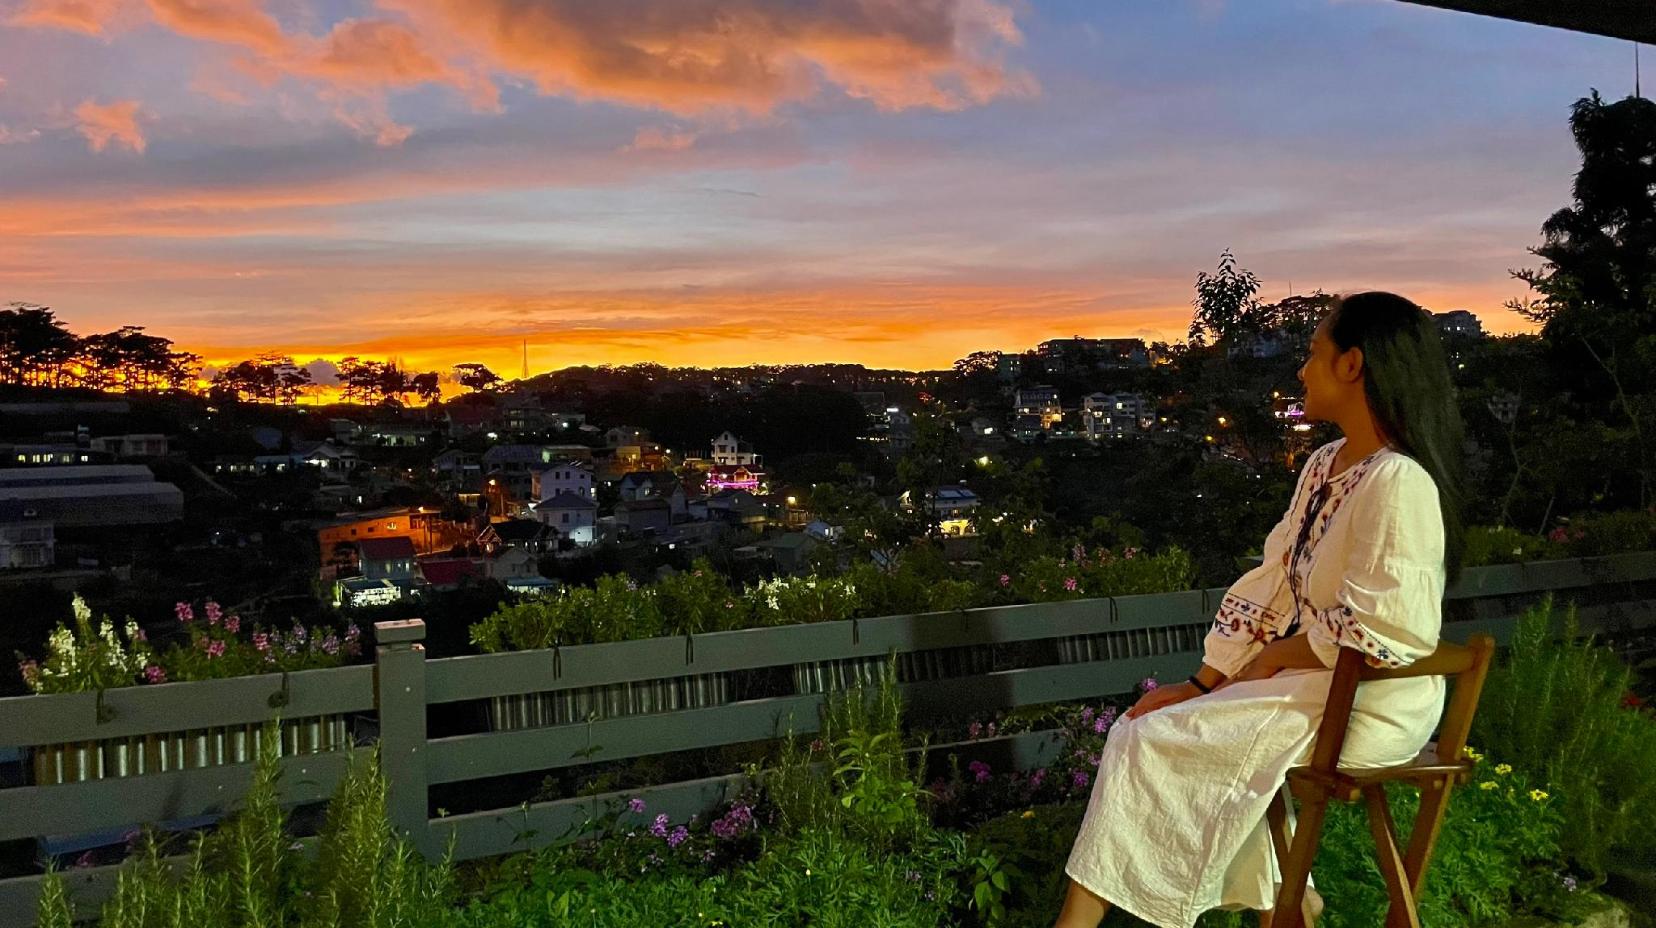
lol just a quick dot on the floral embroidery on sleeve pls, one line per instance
(1242, 618)
(1342, 625)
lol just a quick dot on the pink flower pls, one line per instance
(214, 613)
(1147, 684)
(184, 612)
(352, 632)
(659, 826)
(1130, 553)
(215, 649)
(980, 771)
(1037, 778)
(1069, 584)
(1005, 580)
(974, 730)
(330, 645)
(298, 632)
(1558, 535)
(140, 636)
(261, 641)
(232, 624)
(678, 836)
(990, 730)
(30, 671)
(154, 674)
(635, 805)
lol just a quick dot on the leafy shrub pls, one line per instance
(1489, 544)
(1496, 858)
(1556, 705)
(1607, 533)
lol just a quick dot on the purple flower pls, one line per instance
(1069, 584)
(1080, 780)
(1147, 684)
(330, 644)
(352, 632)
(1086, 714)
(1037, 778)
(974, 730)
(215, 649)
(913, 876)
(1005, 580)
(154, 674)
(184, 612)
(659, 828)
(214, 613)
(678, 836)
(1101, 725)
(298, 632)
(635, 805)
(980, 771)
(232, 624)
(1570, 884)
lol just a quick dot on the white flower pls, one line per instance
(83, 612)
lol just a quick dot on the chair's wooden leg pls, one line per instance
(1402, 912)
(1291, 910)
(1276, 817)
(1434, 802)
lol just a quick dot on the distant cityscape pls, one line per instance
(398, 502)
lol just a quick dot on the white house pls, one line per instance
(571, 516)
(730, 451)
(572, 477)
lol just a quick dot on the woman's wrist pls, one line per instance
(1208, 677)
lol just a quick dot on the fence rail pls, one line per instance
(402, 686)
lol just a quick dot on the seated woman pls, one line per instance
(1176, 822)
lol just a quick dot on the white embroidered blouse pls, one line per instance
(1357, 561)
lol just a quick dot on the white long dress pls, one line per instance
(1176, 822)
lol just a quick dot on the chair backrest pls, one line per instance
(1466, 666)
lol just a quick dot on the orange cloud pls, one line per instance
(91, 17)
(750, 55)
(232, 22)
(104, 125)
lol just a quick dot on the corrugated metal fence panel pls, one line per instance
(171, 707)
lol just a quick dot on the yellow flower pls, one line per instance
(1471, 754)
(1029, 813)
(1538, 795)
(1503, 769)
(1487, 785)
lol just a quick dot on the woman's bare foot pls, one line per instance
(1315, 900)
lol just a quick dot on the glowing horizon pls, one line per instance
(730, 182)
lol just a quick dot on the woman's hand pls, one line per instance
(1162, 696)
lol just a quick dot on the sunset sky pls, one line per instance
(891, 182)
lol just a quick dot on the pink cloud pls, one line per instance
(109, 124)
(657, 138)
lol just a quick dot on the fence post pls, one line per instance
(400, 699)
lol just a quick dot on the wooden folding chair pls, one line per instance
(1438, 769)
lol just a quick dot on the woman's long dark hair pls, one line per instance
(1406, 378)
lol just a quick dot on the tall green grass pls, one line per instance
(250, 873)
